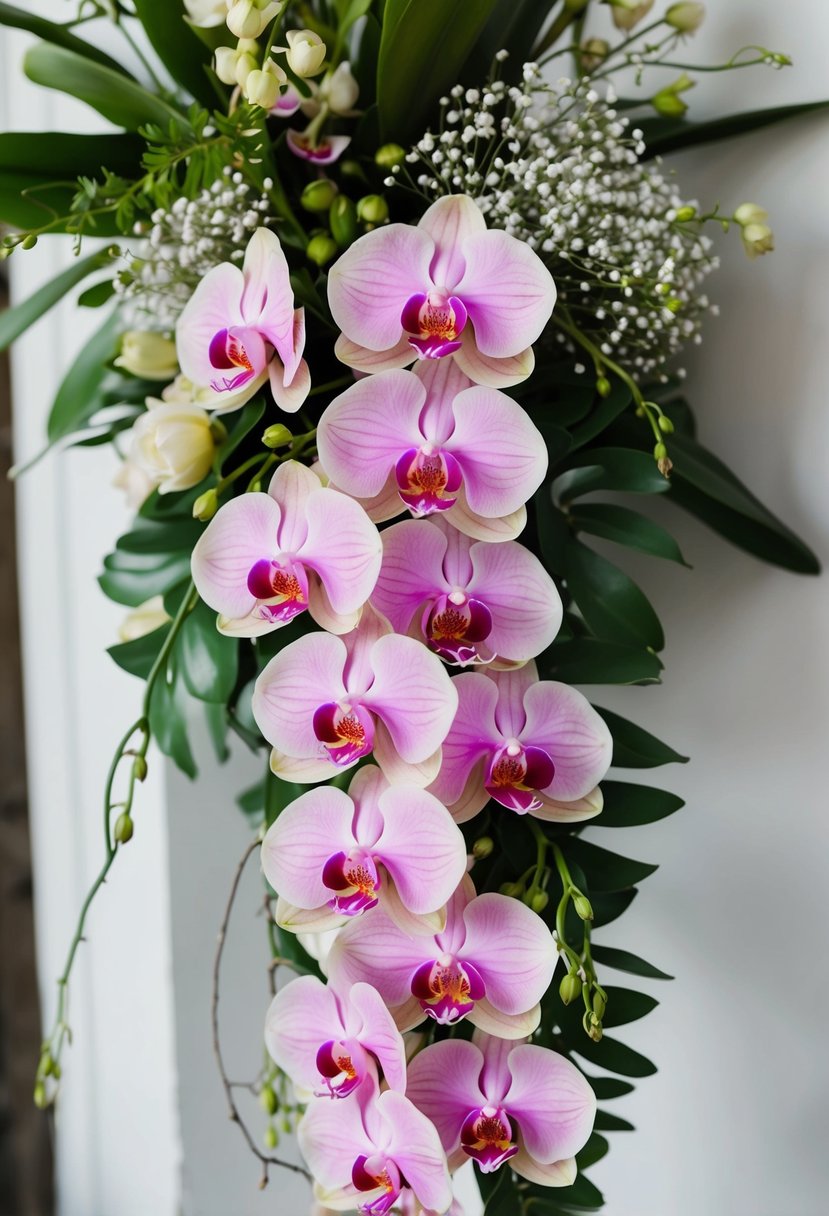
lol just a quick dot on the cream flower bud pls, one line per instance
(173, 444)
(250, 18)
(305, 52)
(685, 17)
(262, 88)
(757, 240)
(628, 13)
(340, 90)
(750, 213)
(136, 483)
(148, 355)
(144, 619)
(206, 14)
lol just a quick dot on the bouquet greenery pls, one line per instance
(394, 293)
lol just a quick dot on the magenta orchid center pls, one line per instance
(434, 322)
(447, 989)
(342, 1067)
(281, 586)
(516, 773)
(354, 879)
(239, 351)
(486, 1136)
(377, 1174)
(454, 625)
(428, 479)
(346, 730)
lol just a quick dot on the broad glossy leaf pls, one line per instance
(625, 1005)
(513, 26)
(240, 427)
(553, 531)
(610, 469)
(118, 98)
(168, 723)
(614, 1056)
(184, 55)
(81, 393)
(217, 727)
(130, 579)
(499, 1192)
(623, 960)
(581, 1196)
(607, 871)
(606, 409)
(138, 656)
(592, 661)
(627, 805)
(424, 46)
(57, 34)
(634, 747)
(627, 527)
(149, 536)
(596, 1147)
(615, 609)
(664, 135)
(606, 1088)
(209, 661)
(610, 905)
(15, 321)
(251, 802)
(605, 1122)
(278, 794)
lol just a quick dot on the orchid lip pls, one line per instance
(447, 989)
(433, 322)
(428, 479)
(376, 1173)
(516, 774)
(337, 1067)
(354, 880)
(346, 731)
(454, 626)
(486, 1136)
(281, 588)
(227, 350)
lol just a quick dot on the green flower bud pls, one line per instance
(685, 213)
(669, 105)
(584, 909)
(537, 900)
(276, 436)
(342, 220)
(321, 249)
(124, 828)
(599, 1004)
(271, 1136)
(659, 451)
(206, 506)
(603, 386)
(593, 1027)
(319, 195)
(46, 1064)
(570, 988)
(29, 241)
(268, 1099)
(139, 768)
(665, 425)
(483, 847)
(373, 209)
(389, 155)
(673, 304)
(40, 1097)
(685, 17)
(513, 889)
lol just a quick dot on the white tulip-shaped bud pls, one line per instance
(750, 213)
(262, 88)
(628, 13)
(144, 619)
(234, 64)
(340, 90)
(206, 14)
(173, 444)
(757, 240)
(250, 18)
(686, 17)
(148, 355)
(305, 52)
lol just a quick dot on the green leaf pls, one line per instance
(168, 723)
(614, 1056)
(184, 55)
(278, 794)
(615, 609)
(610, 905)
(59, 35)
(606, 1088)
(553, 533)
(150, 536)
(245, 420)
(500, 1192)
(138, 656)
(118, 98)
(596, 1148)
(209, 661)
(81, 391)
(15, 321)
(625, 1005)
(251, 802)
(97, 295)
(606, 1122)
(132, 580)
(610, 469)
(627, 805)
(582, 1195)
(669, 135)
(607, 871)
(217, 727)
(627, 527)
(608, 408)
(623, 960)
(424, 45)
(513, 26)
(634, 747)
(591, 661)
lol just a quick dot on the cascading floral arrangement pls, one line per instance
(392, 311)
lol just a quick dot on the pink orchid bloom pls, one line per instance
(288, 103)
(337, 855)
(432, 441)
(368, 1150)
(264, 558)
(445, 287)
(324, 152)
(331, 1042)
(533, 745)
(471, 602)
(492, 963)
(240, 328)
(324, 702)
(497, 1101)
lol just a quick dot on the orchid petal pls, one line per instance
(569, 812)
(450, 222)
(564, 723)
(379, 1035)
(509, 292)
(214, 305)
(473, 733)
(512, 685)
(291, 486)
(413, 696)
(302, 1016)
(343, 547)
(512, 948)
(491, 372)
(297, 845)
(303, 770)
(495, 1075)
(553, 1103)
(307, 920)
(372, 950)
(493, 530)
(522, 598)
(289, 396)
(242, 532)
(503, 454)
(474, 796)
(331, 1137)
(411, 571)
(319, 607)
(504, 1025)
(268, 298)
(428, 864)
(306, 674)
(396, 770)
(444, 1084)
(369, 284)
(250, 626)
(427, 924)
(415, 1147)
(366, 429)
(364, 360)
(557, 1173)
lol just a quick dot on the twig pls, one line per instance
(233, 1110)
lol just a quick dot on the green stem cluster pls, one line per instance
(581, 974)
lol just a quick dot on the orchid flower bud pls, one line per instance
(373, 209)
(148, 355)
(173, 444)
(667, 101)
(389, 155)
(250, 18)
(628, 13)
(206, 14)
(305, 52)
(322, 248)
(685, 17)
(750, 213)
(593, 53)
(262, 87)
(144, 619)
(340, 90)
(757, 240)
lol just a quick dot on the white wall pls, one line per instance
(735, 1121)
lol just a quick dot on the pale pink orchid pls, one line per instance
(471, 602)
(492, 963)
(264, 558)
(240, 328)
(324, 151)
(288, 103)
(433, 442)
(364, 1153)
(446, 287)
(496, 1101)
(533, 745)
(331, 1042)
(324, 702)
(332, 856)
